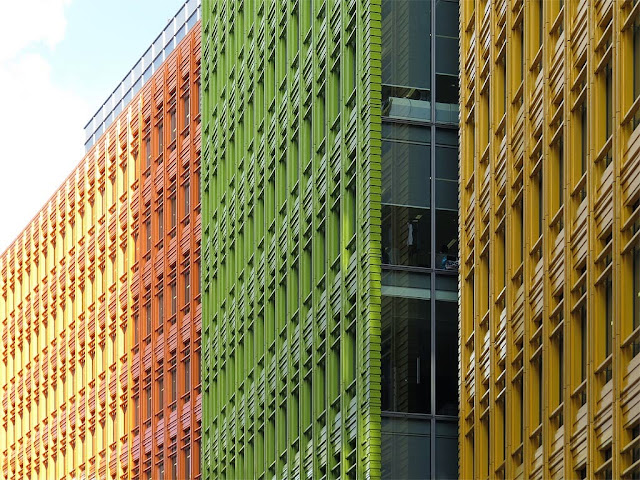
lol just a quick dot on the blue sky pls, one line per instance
(59, 61)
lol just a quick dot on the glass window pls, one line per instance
(187, 463)
(172, 203)
(172, 124)
(583, 139)
(160, 224)
(174, 390)
(540, 192)
(406, 165)
(608, 316)
(406, 45)
(583, 343)
(148, 317)
(148, 234)
(174, 299)
(406, 58)
(446, 180)
(608, 100)
(406, 195)
(160, 138)
(406, 448)
(186, 109)
(636, 58)
(187, 286)
(160, 309)
(187, 374)
(173, 460)
(447, 59)
(636, 295)
(136, 411)
(446, 450)
(446, 327)
(136, 329)
(148, 398)
(187, 204)
(406, 355)
(560, 171)
(406, 236)
(406, 284)
(147, 149)
(160, 393)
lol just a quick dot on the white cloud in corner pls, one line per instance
(32, 22)
(40, 122)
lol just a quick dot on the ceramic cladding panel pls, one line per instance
(76, 288)
(291, 239)
(550, 261)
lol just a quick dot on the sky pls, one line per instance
(59, 62)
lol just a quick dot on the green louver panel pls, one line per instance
(291, 239)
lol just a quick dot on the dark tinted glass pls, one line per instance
(406, 174)
(406, 46)
(406, 448)
(406, 354)
(446, 450)
(447, 357)
(406, 236)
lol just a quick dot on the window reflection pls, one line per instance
(406, 236)
(406, 58)
(406, 448)
(446, 200)
(446, 63)
(406, 354)
(406, 173)
(446, 450)
(447, 356)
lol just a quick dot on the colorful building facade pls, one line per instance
(330, 253)
(99, 304)
(549, 190)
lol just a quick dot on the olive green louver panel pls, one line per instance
(291, 239)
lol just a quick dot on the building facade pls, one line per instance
(166, 313)
(99, 304)
(550, 261)
(330, 252)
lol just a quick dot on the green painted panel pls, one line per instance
(291, 240)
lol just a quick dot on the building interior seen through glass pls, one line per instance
(419, 238)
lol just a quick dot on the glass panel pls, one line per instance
(447, 18)
(406, 58)
(448, 58)
(406, 448)
(406, 103)
(636, 66)
(636, 58)
(406, 284)
(447, 357)
(446, 228)
(406, 174)
(636, 287)
(447, 61)
(447, 240)
(446, 450)
(406, 355)
(406, 46)
(406, 236)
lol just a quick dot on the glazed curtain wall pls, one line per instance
(99, 301)
(291, 239)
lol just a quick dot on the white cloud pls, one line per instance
(40, 122)
(25, 23)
